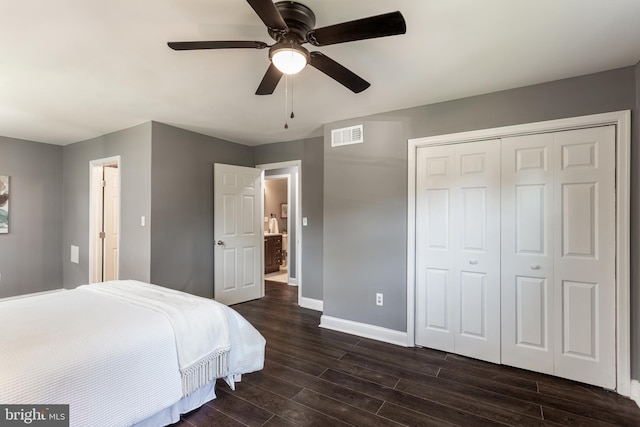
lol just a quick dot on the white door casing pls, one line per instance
(458, 280)
(237, 234)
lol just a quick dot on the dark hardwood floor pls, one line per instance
(317, 377)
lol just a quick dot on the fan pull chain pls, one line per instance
(292, 115)
(286, 99)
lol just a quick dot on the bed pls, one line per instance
(122, 353)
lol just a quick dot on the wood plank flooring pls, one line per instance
(317, 377)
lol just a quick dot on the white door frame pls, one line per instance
(298, 243)
(95, 215)
(622, 121)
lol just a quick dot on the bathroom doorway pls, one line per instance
(282, 204)
(276, 228)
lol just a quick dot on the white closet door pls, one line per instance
(558, 254)
(527, 252)
(458, 249)
(435, 256)
(584, 256)
(477, 250)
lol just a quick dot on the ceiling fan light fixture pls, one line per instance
(289, 58)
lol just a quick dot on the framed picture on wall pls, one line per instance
(4, 204)
(284, 210)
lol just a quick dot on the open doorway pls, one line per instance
(104, 234)
(276, 227)
(282, 208)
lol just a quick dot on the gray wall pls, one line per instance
(182, 205)
(311, 153)
(365, 216)
(134, 147)
(349, 292)
(31, 253)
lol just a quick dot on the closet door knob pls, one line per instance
(220, 243)
(535, 267)
(473, 261)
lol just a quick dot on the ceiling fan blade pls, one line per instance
(217, 45)
(388, 24)
(269, 14)
(269, 81)
(337, 72)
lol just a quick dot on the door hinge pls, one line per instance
(103, 183)
(102, 235)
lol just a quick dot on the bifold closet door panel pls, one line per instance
(584, 256)
(477, 250)
(458, 249)
(558, 254)
(435, 255)
(527, 252)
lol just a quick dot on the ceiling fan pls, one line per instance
(291, 24)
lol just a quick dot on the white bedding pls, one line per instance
(202, 357)
(114, 362)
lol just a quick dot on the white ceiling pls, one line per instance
(71, 70)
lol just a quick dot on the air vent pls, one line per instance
(347, 136)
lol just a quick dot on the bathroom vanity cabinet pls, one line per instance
(272, 253)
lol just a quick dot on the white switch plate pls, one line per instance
(75, 254)
(304, 221)
(142, 221)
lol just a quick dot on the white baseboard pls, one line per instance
(310, 303)
(365, 330)
(635, 391)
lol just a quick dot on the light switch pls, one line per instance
(142, 221)
(75, 254)
(304, 221)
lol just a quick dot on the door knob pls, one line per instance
(473, 261)
(220, 243)
(535, 267)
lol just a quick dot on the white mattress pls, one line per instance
(115, 363)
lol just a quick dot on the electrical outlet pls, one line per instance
(378, 299)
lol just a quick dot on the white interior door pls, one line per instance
(110, 208)
(527, 252)
(237, 234)
(458, 254)
(584, 256)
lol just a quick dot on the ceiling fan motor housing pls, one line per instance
(298, 17)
